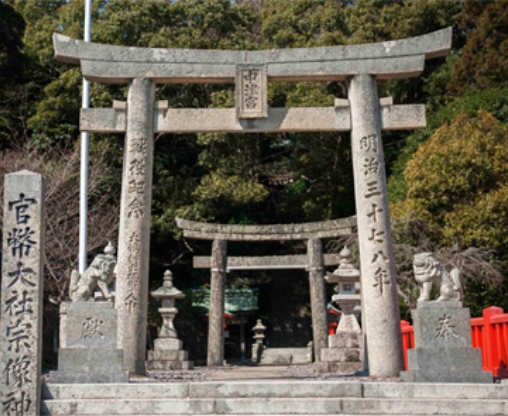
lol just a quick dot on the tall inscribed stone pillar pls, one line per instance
(22, 289)
(215, 354)
(378, 280)
(317, 296)
(134, 235)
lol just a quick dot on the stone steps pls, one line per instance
(276, 398)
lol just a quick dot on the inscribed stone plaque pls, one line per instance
(22, 288)
(251, 87)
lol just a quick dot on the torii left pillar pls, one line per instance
(134, 235)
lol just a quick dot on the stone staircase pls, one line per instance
(279, 397)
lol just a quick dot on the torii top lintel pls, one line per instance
(273, 232)
(386, 60)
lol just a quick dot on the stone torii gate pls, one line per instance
(363, 114)
(220, 264)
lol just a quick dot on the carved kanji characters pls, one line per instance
(376, 236)
(368, 143)
(17, 371)
(136, 208)
(372, 189)
(17, 404)
(21, 206)
(91, 328)
(381, 278)
(17, 336)
(380, 255)
(137, 166)
(22, 274)
(375, 211)
(371, 165)
(20, 241)
(18, 304)
(136, 186)
(139, 145)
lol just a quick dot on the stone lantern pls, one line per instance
(168, 353)
(167, 293)
(259, 336)
(345, 348)
(346, 276)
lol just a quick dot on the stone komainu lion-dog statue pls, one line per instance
(101, 273)
(428, 270)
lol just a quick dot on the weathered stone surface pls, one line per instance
(91, 325)
(134, 233)
(265, 262)
(381, 319)
(443, 350)
(317, 296)
(445, 376)
(62, 340)
(107, 63)
(178, 355)
(251, 93)
(73, 377)
(22, 290)
(91, 360)
(338, 367)
(169, 365)
(168, 344)
(91, 354)
(215, 353)
(286, 356)
(345, 340)
(275, 232)
(100, 275)
(451, 359)
(427, 271)
(441, 324)
(343, 355)
(207, 120)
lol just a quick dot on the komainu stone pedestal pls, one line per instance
(444, 352)
(91, 354)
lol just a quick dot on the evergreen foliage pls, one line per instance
(451, 177)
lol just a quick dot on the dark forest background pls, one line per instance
(448, 183)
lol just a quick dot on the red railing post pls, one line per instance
(406, 340)
(491, 351)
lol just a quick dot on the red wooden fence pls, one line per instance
(489, 333)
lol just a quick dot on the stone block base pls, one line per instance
(72, 377)
(345, 340)
(178, 355)
(452, 359)
(285, 356)
(167, 365)
(95, 365)
(168, 355)
(444, 376)
(90, 355)
(170, 344)
(343, 355)
(443, 352)
(337, 367)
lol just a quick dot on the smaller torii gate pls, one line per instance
(220, 264)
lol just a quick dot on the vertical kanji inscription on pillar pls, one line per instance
(21, 302)
(379, 286)
(134, 234)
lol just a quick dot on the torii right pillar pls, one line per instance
(378, 279)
